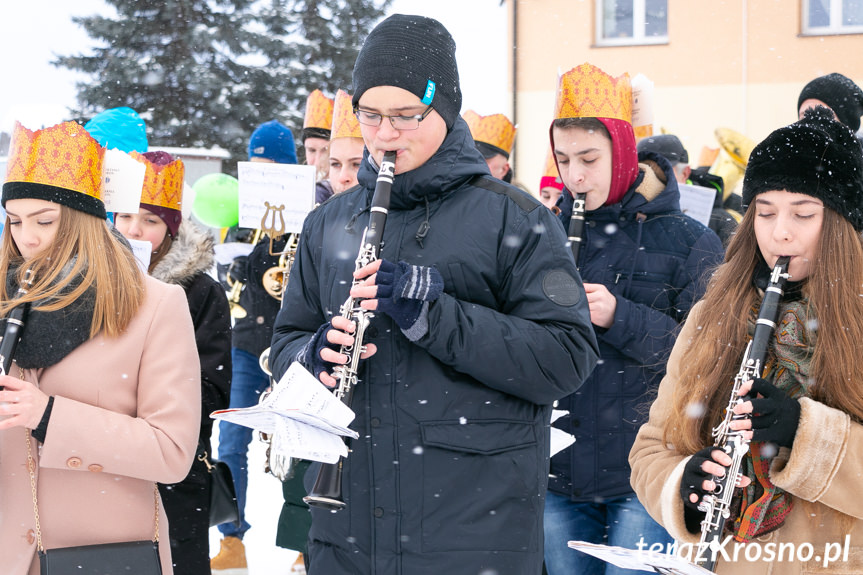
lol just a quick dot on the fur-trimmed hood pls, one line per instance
(191, 253)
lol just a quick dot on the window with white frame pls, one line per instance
(631, 22)
(822, 17)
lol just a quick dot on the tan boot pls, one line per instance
(299, 566)
(231, 559)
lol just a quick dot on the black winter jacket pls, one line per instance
(187, 503)
(655, 261)
(187, 264)
(254, 332)
(450, 471)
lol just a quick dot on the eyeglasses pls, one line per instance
(400, 123)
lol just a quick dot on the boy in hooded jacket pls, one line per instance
(644, 264)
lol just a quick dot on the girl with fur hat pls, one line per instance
(183, 255)
(799, 504)
(102, 399)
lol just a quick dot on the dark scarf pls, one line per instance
(764, 507)
(49, 336)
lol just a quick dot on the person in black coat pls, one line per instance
(271, 142)
(725, 214)
(480, 324)
(183, 255)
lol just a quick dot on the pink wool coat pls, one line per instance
(126, 415)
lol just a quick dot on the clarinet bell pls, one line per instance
(327, 490)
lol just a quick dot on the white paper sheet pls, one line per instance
(289, 188)
(560, 439)
(640, 560)
(303, 416)
(142, 251)
(697, 202)
(122, 182)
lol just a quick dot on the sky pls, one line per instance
(34, 33)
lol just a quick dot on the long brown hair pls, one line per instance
(84, 248)
(709, 364)
(160, 253)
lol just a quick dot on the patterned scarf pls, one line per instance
(764, 506)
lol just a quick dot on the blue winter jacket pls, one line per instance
(450, 471)
(655, 261)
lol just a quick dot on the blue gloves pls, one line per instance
(404, 292)
(310, 355)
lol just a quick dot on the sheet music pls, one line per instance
(304, 417)
(697, 202)
(640, 560)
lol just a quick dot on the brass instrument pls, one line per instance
(280, 467)
(275, 279)
(732, 158)
(237, 311)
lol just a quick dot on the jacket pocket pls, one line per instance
(481, 479)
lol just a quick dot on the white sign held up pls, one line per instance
(266, 187)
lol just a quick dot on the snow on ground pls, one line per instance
(262, 512)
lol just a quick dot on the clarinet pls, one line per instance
(717, 505)
(576, 225)
(327, 490)
(14, 326)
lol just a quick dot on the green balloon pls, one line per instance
(217, 200)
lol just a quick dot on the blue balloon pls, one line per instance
(120, 128)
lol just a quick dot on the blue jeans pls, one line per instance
(247, 383)
(621, 522)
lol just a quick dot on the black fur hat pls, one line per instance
(840, 93)
(816, 156)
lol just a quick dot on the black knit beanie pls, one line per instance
(816, 156)
(416, 54)
(840, 93)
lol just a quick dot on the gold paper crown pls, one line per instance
(163, 185)
(588, 92)
(319, 111)
(471, 118)
(345, 124)
(495, 130)
(64, 156)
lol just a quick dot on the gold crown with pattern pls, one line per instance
(319, 111)
(471, 118)
(163, 185)
(345, 124)
(63, 156)
(588, 92)
(495, 130)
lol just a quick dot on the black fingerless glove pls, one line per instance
(310, 355)
(403, 292)
(775, 416)
(694, 476)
